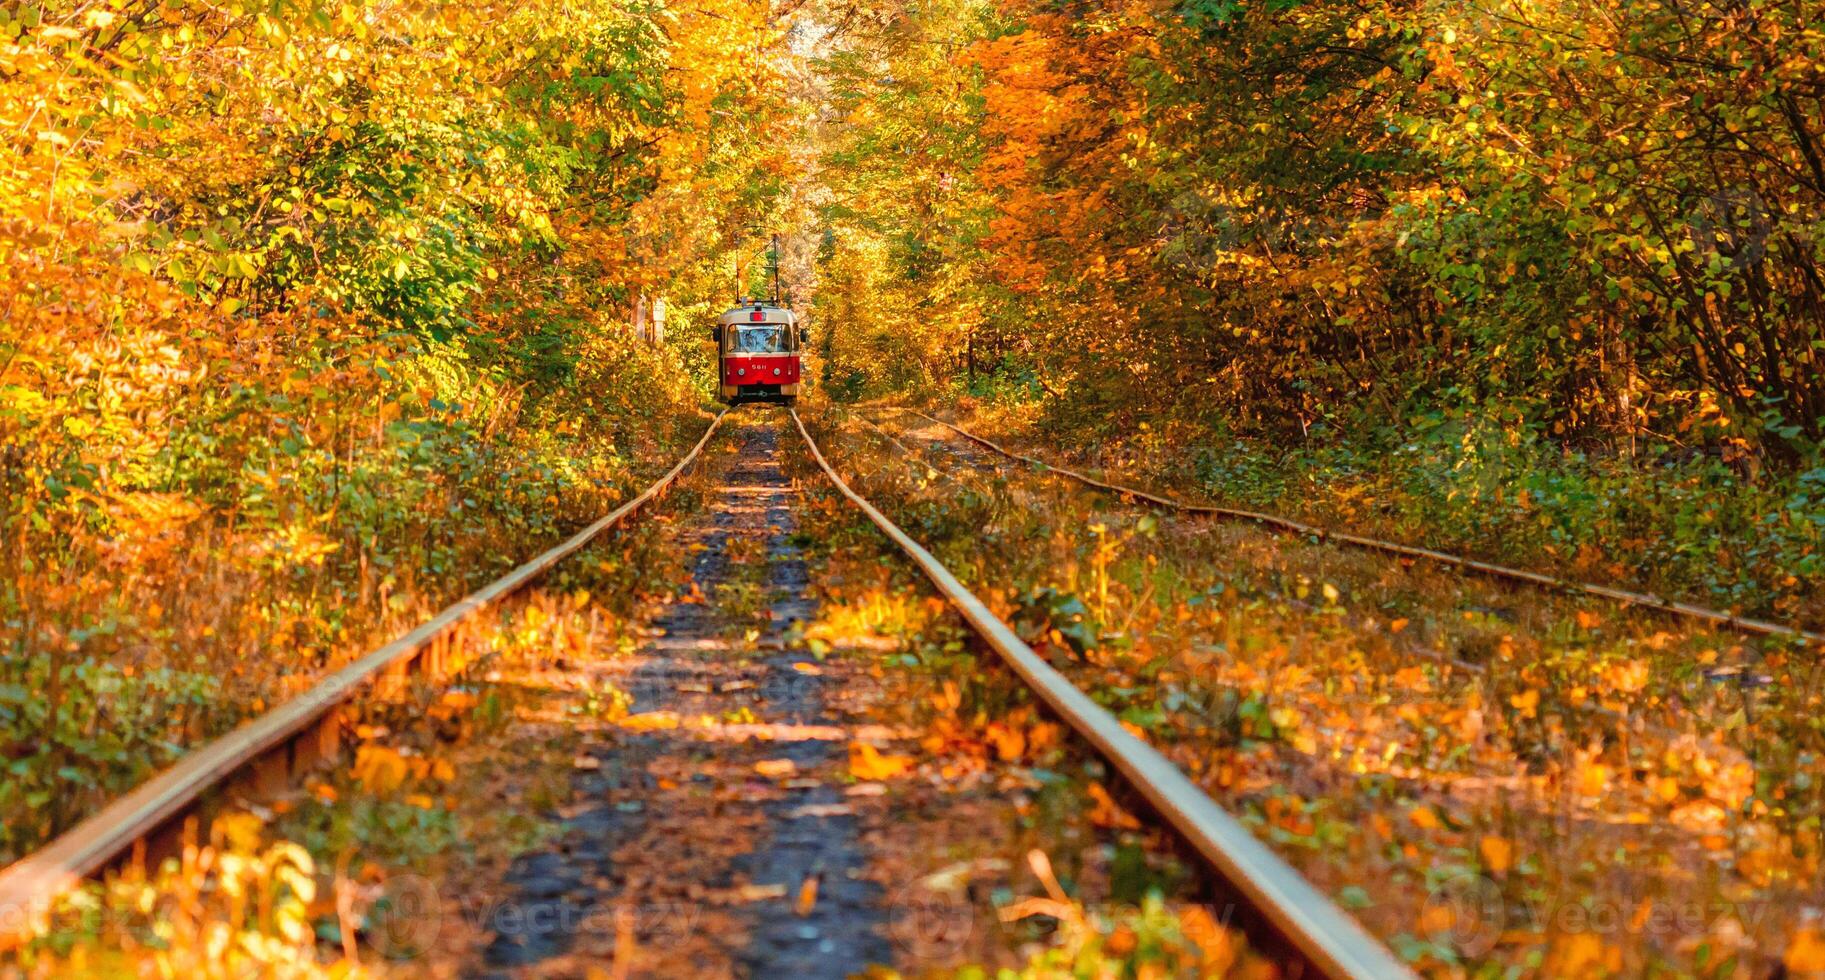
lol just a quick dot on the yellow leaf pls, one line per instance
(867, 763)
(240, 830)
(1527, 702)
(1593, 778)
(1424, 818)
(650, 721)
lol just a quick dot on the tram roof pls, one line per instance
(769, 314)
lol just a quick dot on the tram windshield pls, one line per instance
(760, 339)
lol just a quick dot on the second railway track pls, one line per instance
(1642, 600)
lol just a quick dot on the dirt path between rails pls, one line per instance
(718, 850)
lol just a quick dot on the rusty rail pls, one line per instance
(295, 735)
(1640, 599)
(1301, 918)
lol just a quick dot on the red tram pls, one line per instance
(758, 352)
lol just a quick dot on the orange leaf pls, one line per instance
(1009, 742)
(1108, 813)
(867, 763)
(1805, 953)
(1527, 702)
(650, 721)
(1593, 778)
(1498, 854)
(380, 770)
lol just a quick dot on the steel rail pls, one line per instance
(30, 886)
(1640, 599)
(1308, 922)
(1436, 656)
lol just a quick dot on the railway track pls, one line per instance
(1281, 912)
(1410, 646)
(300, 734)
(1660, 604)
(1694, 680)
(1322, 935)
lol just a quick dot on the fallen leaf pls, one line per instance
(1108, 813)
(1221, 945)
(1010, 743)
(459, 700)
(807, 894)
(867, 763)
(1593, 778)
(1583, 954)
(1527, 702)
(379, 770)
(821, 810)
(650, 721)
(776, 768)
(1498, 854)
(954, 877)
(1805, 952)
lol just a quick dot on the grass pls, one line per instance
(1715, 529)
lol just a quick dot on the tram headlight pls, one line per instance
(776, 372)
(741, 370)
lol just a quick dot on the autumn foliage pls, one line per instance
(1605, 221)
(315, 312)
(1410, 259)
